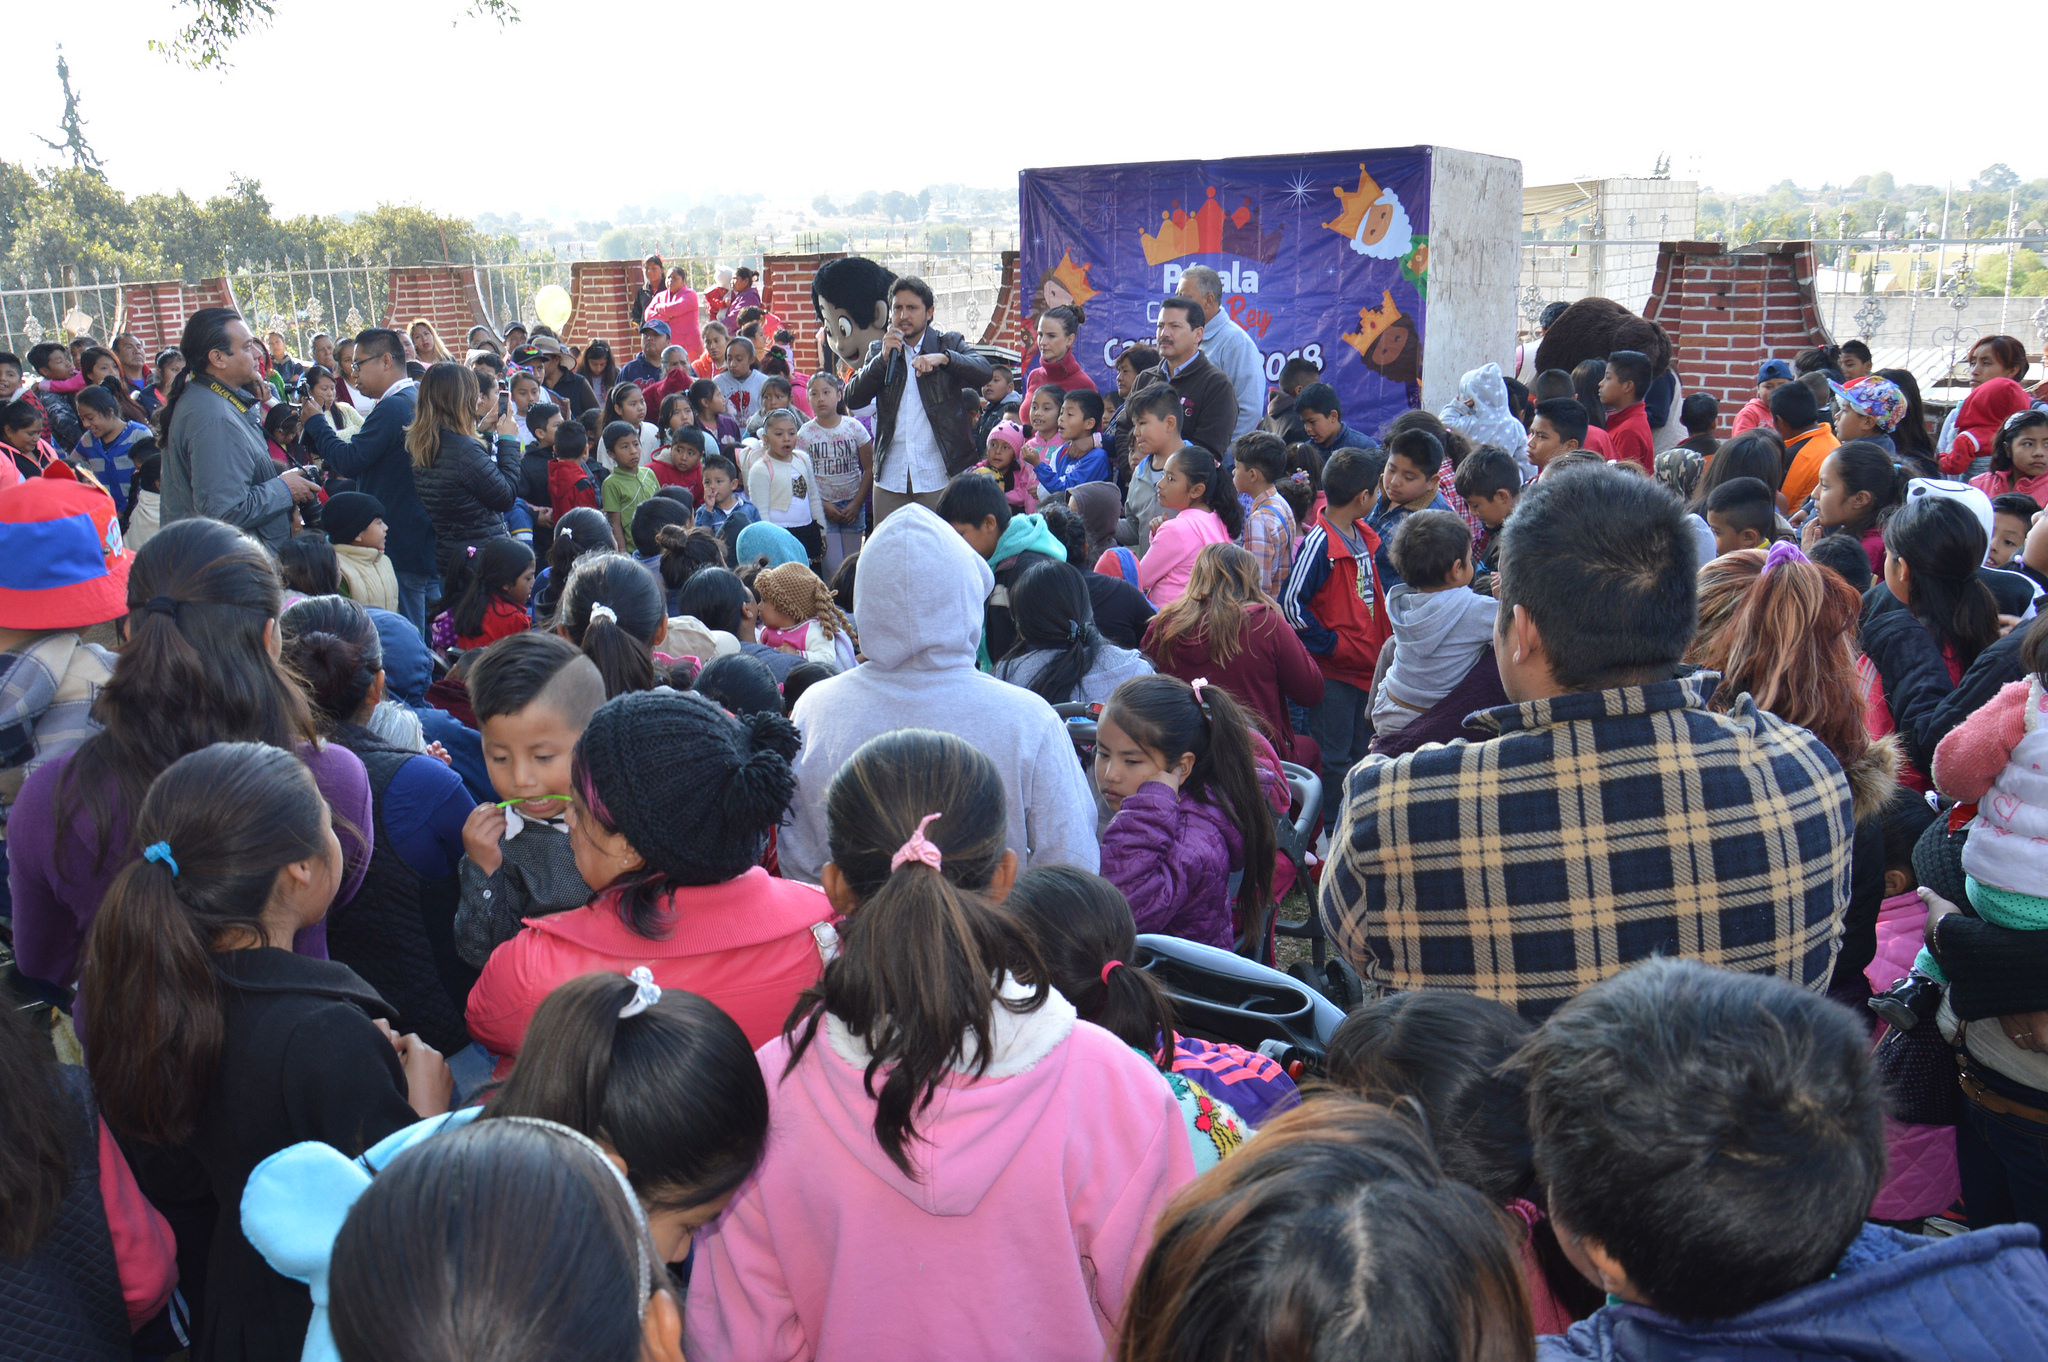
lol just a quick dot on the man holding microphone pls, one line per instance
(921, 442)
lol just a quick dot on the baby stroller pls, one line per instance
(1219, 995)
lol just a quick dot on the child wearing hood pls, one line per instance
(1978, 422)
(1480, 413)
(1441, 625)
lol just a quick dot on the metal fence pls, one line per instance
(342, 295)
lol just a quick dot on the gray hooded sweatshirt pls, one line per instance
(918, 604)
(1438, 635)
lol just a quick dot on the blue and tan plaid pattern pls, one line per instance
(1598, 829)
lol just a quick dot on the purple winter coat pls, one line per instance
(1172, 858)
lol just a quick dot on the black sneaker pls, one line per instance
(1911, 1001)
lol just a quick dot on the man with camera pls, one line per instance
(216, 461)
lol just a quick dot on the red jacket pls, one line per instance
(1628, 434)
(570, 484)
(747, 945)
(1337, 606)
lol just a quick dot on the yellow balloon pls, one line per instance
(551, 305)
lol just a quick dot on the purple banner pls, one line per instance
(1324, 256)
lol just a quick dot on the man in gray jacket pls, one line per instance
(216, 460)
(1229, 346)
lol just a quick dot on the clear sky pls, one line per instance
(339, 106)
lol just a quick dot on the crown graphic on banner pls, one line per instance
(1371, 322)
(1209, 231)
(1073, 278)
(1355, 203)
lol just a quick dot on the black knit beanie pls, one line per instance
(693, 789)
(348, 514)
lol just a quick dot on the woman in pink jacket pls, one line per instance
(995, 1195)
(673, 800)
(1206, 511)
(679, 306)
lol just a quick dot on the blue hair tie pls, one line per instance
(161, 851)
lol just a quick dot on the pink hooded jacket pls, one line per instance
(1039, 1186)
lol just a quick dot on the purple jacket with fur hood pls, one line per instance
(1172, 857)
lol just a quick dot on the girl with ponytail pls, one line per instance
(1177, 764)
(672, 801)
(213, 1045)
(612, 608)
(1085, 931)
(936, 1103)
(196, 667)
(1203, 502)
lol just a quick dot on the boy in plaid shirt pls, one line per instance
(1615, 816)
(1261, 461)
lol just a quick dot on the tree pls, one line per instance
(900, 206)
(822, 206)
(73, 123)
(217, 25)
(868, 204)
(1995, 179)
(1883, 185)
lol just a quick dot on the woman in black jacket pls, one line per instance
(464, 487)
(214, 1046)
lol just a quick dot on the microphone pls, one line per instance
(895, 367)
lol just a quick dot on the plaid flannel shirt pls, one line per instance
(1269, 537)
(1597, 829)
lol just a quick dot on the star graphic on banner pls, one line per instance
(1299, 189)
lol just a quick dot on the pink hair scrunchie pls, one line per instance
(918, 848)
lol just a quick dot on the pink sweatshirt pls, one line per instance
(1164, 570)
(1040, 1184)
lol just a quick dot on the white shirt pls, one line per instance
(913, 460)
(1231, 348)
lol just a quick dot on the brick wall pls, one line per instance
(1728, 311)
(1006, 323)
(786, 291)
(601, 305)
(445, 297)
(156, 310)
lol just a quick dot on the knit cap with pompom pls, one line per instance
(693, 789)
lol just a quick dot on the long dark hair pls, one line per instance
(604, 378)
(1451, 1054)
(231, 816)
(622, 646)
(1911, 435)
(615, 389)
(205, 332)
(1334, 1234)
(674, 1090)
(2001, 451)
(1054, 615)
(195, 670)
(1943, 543)
(917, 973)
(332, 646)
(1219, 494)
(1756, 453)
(1867, 466)
(308, 564)
(581, 530)
(1164, 714)
(716, 598)
(42, 1129)
(701, 392)
(1082, 923)
(508, 1240)
(1586, 378)
(481, 574)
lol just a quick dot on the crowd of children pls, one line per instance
(667, 912)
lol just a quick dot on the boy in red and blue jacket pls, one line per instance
(1335, 602)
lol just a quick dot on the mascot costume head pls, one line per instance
(1594, 328)
(851, 298)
